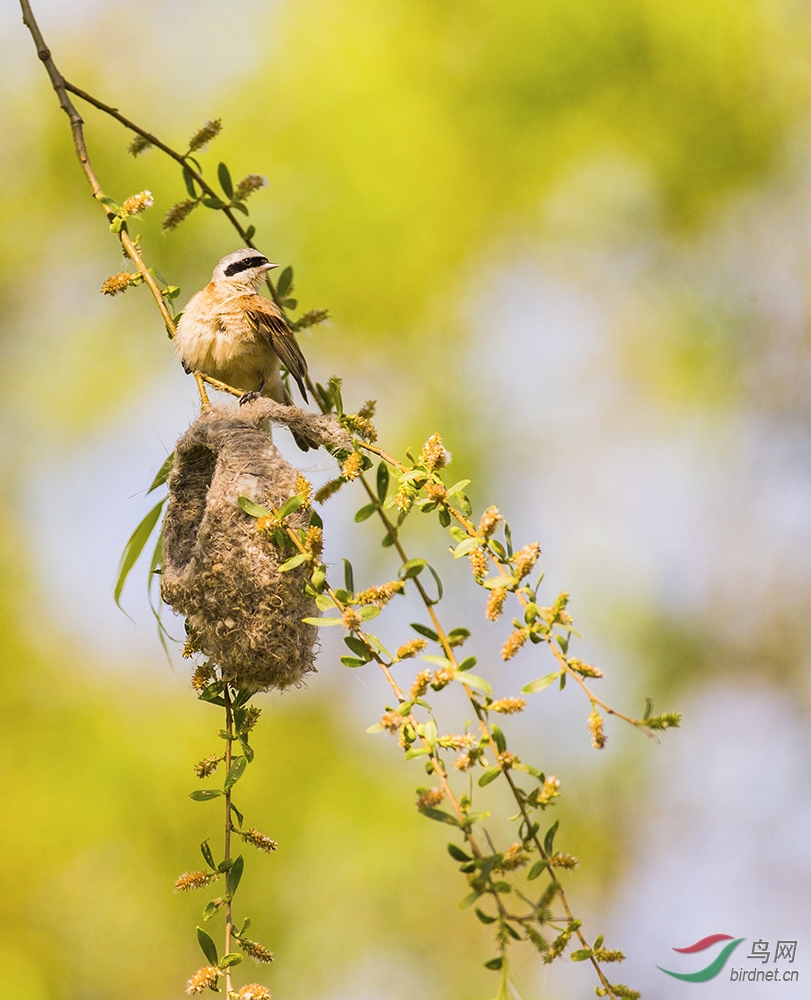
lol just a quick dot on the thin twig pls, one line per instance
(77, 131)
(229, 729)
(181, 158)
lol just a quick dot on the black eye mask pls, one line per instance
(243, 265)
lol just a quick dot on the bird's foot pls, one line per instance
(248, 397)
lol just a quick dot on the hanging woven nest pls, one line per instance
(218, 570)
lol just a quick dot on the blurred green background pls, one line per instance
(572, 237)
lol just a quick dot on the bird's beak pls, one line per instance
(269, 266)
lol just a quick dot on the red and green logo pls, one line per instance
(710, 971)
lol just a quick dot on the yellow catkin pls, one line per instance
(495, 603)
(203, 979)
(514, 642)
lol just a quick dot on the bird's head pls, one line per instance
(243, 267)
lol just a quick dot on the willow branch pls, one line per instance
(181, 158)
(77, 131)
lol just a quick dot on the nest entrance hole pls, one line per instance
(191, 488)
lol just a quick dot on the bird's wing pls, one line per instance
(270, 322)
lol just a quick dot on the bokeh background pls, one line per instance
(574, 238)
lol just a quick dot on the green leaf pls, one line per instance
(234, 875)
(318, 580)
(238, 814)
(444, 517)
(438, 583)
(254, 509)
(349, 577)
(358, 647)
(207, 855)
(494, 963)
(475, 817)
(250, 232)
(549, 839)
(285, 282)
(457, 636)
(295, 561)
(289, 303)
(188, 180)
(205, 794)
(324, 603)
(163, 472)
(489, 776)
(498, 736)
(465, 548)
(225, 181)
(110, 203)
(484, 917)
(291, 505)
(238, 205)
(374, 728)
(368, 611)
(464, 504)
(540, 683)
(415, 752)
(412, 568)
(335, 394)
(135, 546)
(235, 772)
(468, 663)
(479, 683)
(353, 661)
(536, 869)
(212, 907)
(382, 481)
(469, 900)
(208, 946)
(423, 630)
(366, 512)
(581, 955)
(438, 661)
(498, 548)
(214, 203)
(233, 958)
(323, 621)
(457, 853)
(439, 815)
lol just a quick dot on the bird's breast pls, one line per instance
(217, 338)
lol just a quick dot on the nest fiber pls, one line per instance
(218, 570)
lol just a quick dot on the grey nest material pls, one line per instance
(218, 570)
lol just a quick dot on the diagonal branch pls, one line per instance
(77, 131)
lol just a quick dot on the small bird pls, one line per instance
(230, 333)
